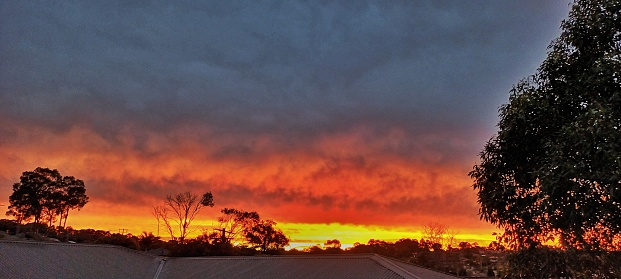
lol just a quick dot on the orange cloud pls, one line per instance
(347, 178)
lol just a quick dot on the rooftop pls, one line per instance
(63, 260)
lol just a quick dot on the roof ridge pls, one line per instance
(160, 268)
(418, 266)
(393, 267)
(277, 257)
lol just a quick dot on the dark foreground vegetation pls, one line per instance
(467, 259)
(553, 169)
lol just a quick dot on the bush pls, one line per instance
(8, 226)
(547, 262)
(128, 241)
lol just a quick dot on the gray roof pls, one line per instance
(61, 260)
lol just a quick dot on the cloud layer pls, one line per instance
(361, 112)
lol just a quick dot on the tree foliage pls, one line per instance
(332, 244)
(44, 195)
(554, 167)
(72, 195)
(148, 241)
(547, 262)
(248, 228)
(264, 237)
(233, 225)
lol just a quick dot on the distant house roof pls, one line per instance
(60, 260)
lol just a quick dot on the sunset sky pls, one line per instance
(348, 120)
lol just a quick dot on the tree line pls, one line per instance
(463, 258)
(44, 196)
(245, 229)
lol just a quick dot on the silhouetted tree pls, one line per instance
(435, 233)
(9, 226)
(72, 195)
(185, 207)
(332, 246)
(436, 247)
(148, 241)
(233, 225)
(265, 237)
(314, 250)
(44, 194)
(333, 243)
(405, 248)
(128, 241)
(85, 235)
(31, 194)
(161, 214)
(553, 169)
(380, 247)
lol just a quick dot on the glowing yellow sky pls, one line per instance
(302, 235)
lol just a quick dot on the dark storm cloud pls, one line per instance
(294, 70)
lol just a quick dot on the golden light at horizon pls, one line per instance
(302, 235)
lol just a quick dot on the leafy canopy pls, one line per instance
(554, 167)
(44, 195)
